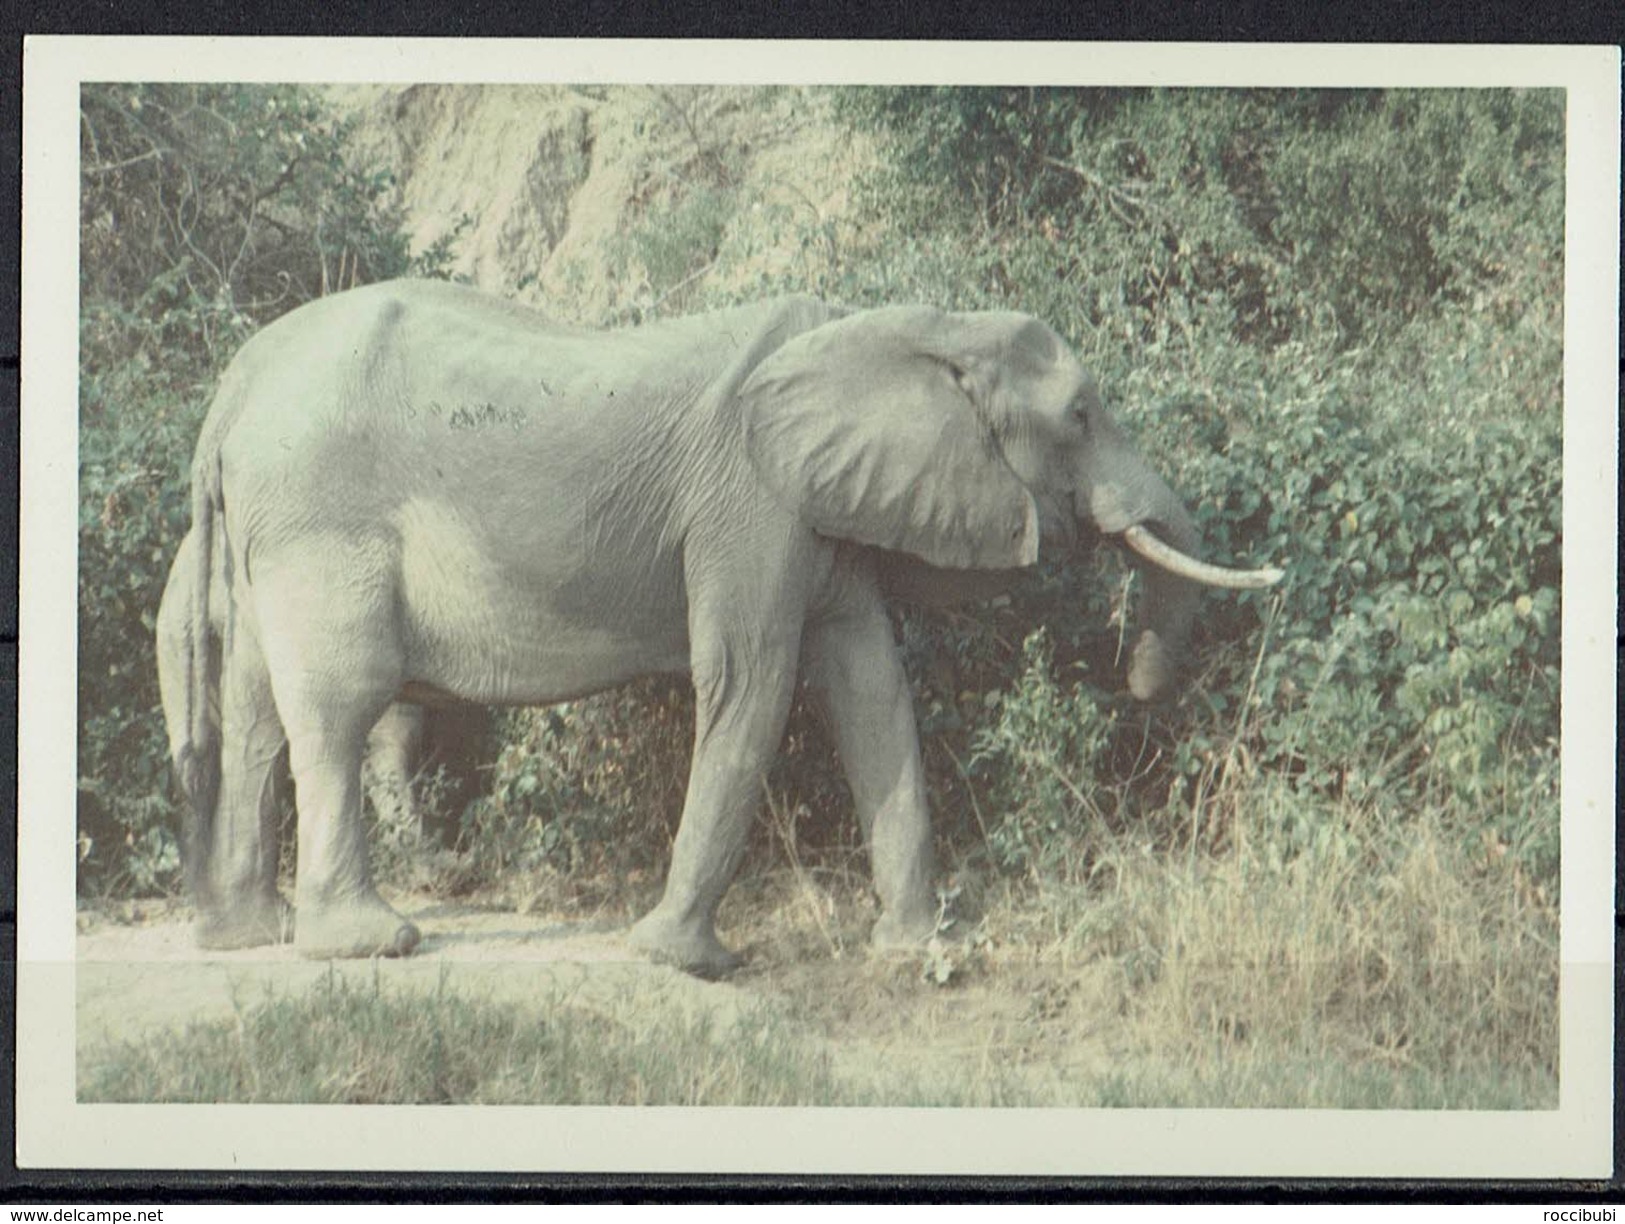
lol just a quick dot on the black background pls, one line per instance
(1282, 22)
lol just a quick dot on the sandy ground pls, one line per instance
(140, 977)
(880, 1019)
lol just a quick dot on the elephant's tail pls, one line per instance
(197, 755)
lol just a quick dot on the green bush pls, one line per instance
(1334, 318)
(205, 212)
(1041, 748)
(589, 786)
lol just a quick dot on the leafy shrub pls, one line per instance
(1424, 571)
(1335, 319)
(1043, 747)
(586, 787)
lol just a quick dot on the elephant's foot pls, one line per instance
(355, 927)
(691, 946)
(249, 925)
(904, 930)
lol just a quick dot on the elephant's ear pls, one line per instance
(870, 428)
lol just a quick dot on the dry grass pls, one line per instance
(1380, 963)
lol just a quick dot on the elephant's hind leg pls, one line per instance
(335, 665)
(853, 669)
(238, 906)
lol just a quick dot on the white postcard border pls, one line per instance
(53, 1130)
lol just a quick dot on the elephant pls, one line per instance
(412, 491)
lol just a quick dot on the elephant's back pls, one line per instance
(398, 389)
(550, 449)
(424, 388)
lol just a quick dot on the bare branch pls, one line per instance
(281, 181)
(683, 284)
(708, 151)
(1127, 206)
(109, 167)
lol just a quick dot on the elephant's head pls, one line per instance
(971, 441)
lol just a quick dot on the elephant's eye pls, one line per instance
(961, 379)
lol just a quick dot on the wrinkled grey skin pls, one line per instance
(414, 492)
(397, 750)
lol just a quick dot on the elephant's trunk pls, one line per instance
(1136, 503)
(1168, 604)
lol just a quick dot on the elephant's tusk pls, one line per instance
(1176, 562)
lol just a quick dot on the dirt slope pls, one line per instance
(597, 202)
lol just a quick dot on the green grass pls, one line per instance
(344, 1043)
(1270, 1081)
(340, 1042)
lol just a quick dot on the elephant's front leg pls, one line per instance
(742, 691)
(853, 668)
